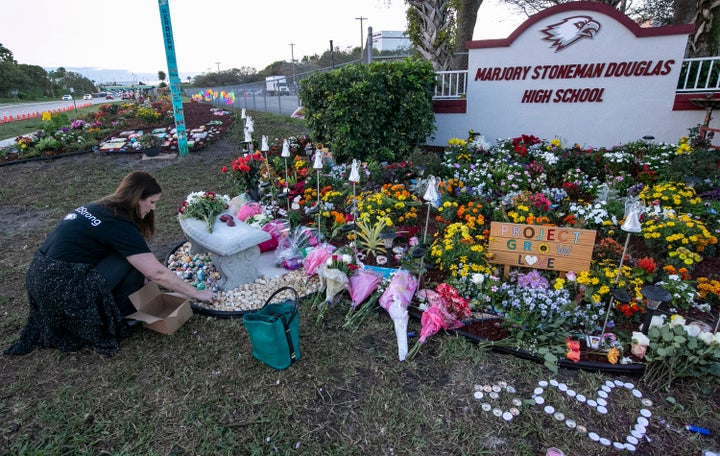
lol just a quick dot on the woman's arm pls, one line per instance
(153, 270)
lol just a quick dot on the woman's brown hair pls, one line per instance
(125, 200)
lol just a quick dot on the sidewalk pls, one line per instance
(6, 142)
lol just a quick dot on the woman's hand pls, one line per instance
(156, 272)
(204, 295)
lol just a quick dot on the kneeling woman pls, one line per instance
(79, 280)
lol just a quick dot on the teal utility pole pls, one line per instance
(173, 76)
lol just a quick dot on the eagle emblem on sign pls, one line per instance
(570, 30)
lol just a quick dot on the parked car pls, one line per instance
(109, 97)
(87, 96)
(67, 97)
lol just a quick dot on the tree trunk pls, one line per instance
(466, 19)
(703, 43)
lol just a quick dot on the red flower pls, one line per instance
(647, 264)
(573, 349)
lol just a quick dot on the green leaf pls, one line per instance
(667, 336)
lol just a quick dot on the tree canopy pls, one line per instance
(33, 81)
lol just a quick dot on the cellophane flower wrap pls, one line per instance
(335, 281)
(335, 276)
(204, 206)
(446, 310)
(317, 257)
(362, 284)
(395, 301)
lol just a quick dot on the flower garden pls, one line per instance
(127, 127)
(424, 225)
(349, 394)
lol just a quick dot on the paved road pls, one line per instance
(18, 109)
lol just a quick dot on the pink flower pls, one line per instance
(638, 350)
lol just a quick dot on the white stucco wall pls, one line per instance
(629, 107)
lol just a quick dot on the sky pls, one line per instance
(209, 35)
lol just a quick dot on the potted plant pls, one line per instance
(150, 144)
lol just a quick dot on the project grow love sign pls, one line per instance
(541, 247)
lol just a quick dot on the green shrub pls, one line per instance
(381, 111)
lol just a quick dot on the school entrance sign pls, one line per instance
(580, 71)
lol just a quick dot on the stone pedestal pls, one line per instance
(233, 249)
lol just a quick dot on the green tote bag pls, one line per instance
(274, 331)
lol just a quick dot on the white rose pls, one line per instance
(477, 278)
(692, 330)
(677, 320)
(347, 258)
(657, 320)
(706, 337)
(640, 338)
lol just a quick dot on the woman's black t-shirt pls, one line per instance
(92, 232)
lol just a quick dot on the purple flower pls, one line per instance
(533, 279)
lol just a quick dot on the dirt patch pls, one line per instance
(15, 220)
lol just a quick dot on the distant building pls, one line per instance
(390, 41)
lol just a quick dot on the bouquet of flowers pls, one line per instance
(395, 301)
(335, 276)
(363, 285)
(204, 206)
(246, 172)
(447, 309)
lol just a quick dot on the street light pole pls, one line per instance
(362, 40)
(292, 62)
(218, 65)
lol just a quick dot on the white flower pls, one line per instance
(677, 320)
(692, 330)
(347, 258)
(706, 337)
(640, 338)
(657, 320)
(477, 278)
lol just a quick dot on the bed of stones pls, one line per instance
(199, 271)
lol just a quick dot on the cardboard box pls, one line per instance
(161, 312)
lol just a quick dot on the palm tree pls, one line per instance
(431, 28)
